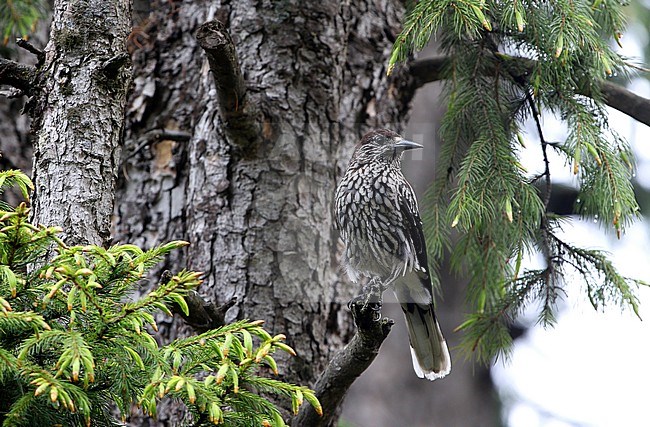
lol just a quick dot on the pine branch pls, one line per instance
(545, 244)
(432, 69)
(240, 117)
(558, 59)
(346, 366)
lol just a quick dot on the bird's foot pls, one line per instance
(370, 299)
(367, 301)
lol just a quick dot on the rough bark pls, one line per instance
(15, 148)
(79, 116)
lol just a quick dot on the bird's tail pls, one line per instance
(428, 347)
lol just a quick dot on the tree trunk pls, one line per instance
(79, 117)
(259, 219)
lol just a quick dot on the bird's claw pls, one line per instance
(370, 299)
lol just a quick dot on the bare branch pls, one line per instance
(545, 245)
(203, 315)
(174, 135)
(547, 166)
(431, 69)
(346, 366)
(25, 44)
(626, 102)
(17, 75)
(241, 119)
(428, 70)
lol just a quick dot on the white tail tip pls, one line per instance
(431, 375)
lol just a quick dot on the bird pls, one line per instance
(377, 216)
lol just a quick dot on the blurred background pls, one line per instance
(591, 370)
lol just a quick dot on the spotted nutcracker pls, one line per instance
(378, 218)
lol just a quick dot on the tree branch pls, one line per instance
(346, 366)
(545, 246)
(17, 75)
(241, 119)
(203, 315)
(431, 69)
(25, 44)
(626, 102)
(428, 70)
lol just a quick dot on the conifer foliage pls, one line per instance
(509, 61)
(75, 344)
(19, 18)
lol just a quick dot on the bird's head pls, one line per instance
(382, 145)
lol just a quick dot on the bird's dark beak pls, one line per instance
(404, 145)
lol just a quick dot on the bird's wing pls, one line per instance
(419, 287)
(342, 197)
(413, 228)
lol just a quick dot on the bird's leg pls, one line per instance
(374, 291)
(371, 297)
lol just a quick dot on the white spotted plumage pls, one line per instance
(377, 215)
